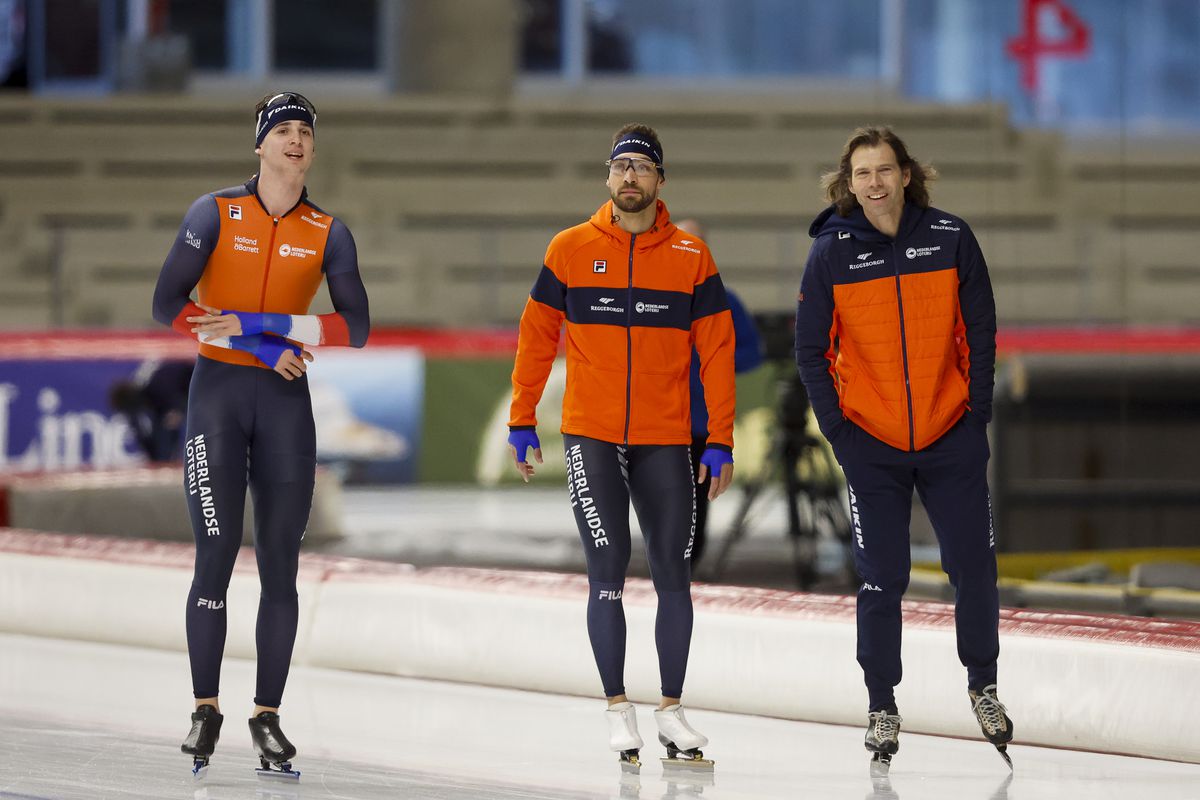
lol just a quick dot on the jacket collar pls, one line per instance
(252, 187)
(857, 225)
(661, 231)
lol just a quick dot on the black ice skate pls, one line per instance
(202, 739)
(883, 738)
(274, 750)
(993, 719)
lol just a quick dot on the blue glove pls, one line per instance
(522, 440)
(267, 349)
(254, 323)
(714, 458)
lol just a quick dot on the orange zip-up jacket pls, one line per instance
(240, 258)
(896, 335)
(634, 306)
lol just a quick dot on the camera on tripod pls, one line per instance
(800, 465)
(778, 332)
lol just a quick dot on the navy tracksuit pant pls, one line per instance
(951, 478)
(604, 478)
(246, 426)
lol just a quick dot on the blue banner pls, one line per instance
(56, 414)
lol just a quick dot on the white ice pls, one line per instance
(84, 720)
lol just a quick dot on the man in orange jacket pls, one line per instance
(896, 344)
(636, 294)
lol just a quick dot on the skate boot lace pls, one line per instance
(886, 726)
(989, 711)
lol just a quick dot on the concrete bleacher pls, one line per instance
(452, 202)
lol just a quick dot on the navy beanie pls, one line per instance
(283, 108)
(642, 145)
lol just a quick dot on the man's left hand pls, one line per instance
(213, 323)
(720, 464)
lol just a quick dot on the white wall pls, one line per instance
(1108, 684)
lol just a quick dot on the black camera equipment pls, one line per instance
(811, 478)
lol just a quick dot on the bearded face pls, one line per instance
(630, 189)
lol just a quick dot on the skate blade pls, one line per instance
(199, 771)
(687, 765)
(1002, 749)
(881, 765)
(283, 773)
(631, 768)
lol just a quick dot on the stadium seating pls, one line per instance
(453, 202)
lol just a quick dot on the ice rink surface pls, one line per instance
(82, 720)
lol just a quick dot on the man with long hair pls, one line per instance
(896, 345)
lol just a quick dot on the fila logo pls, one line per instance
(863, 256)
(213, 605)
(607, 299)
(600, 265)
(610, 594)
(235, 212)
(843, 234)
(685, 241)
(867, 587)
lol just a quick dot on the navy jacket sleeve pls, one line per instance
(747, 352)
(346, 289)
(978, 308)
(814, 340)
(187, 259)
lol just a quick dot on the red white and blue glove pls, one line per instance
(266, 348)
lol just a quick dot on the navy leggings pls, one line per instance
(951, 478)
(246, 426)
(604, 478)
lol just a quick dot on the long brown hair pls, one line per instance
(836, 185)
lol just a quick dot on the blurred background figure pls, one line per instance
(154, 403)
(746, 356)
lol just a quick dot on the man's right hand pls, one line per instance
(288, 359)
(519, 442)
(292, 366)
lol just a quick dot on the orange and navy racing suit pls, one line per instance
(247, 423)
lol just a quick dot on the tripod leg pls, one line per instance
(804, 544)
(716, 566)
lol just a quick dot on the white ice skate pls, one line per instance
(623, 736)
(682, 741)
